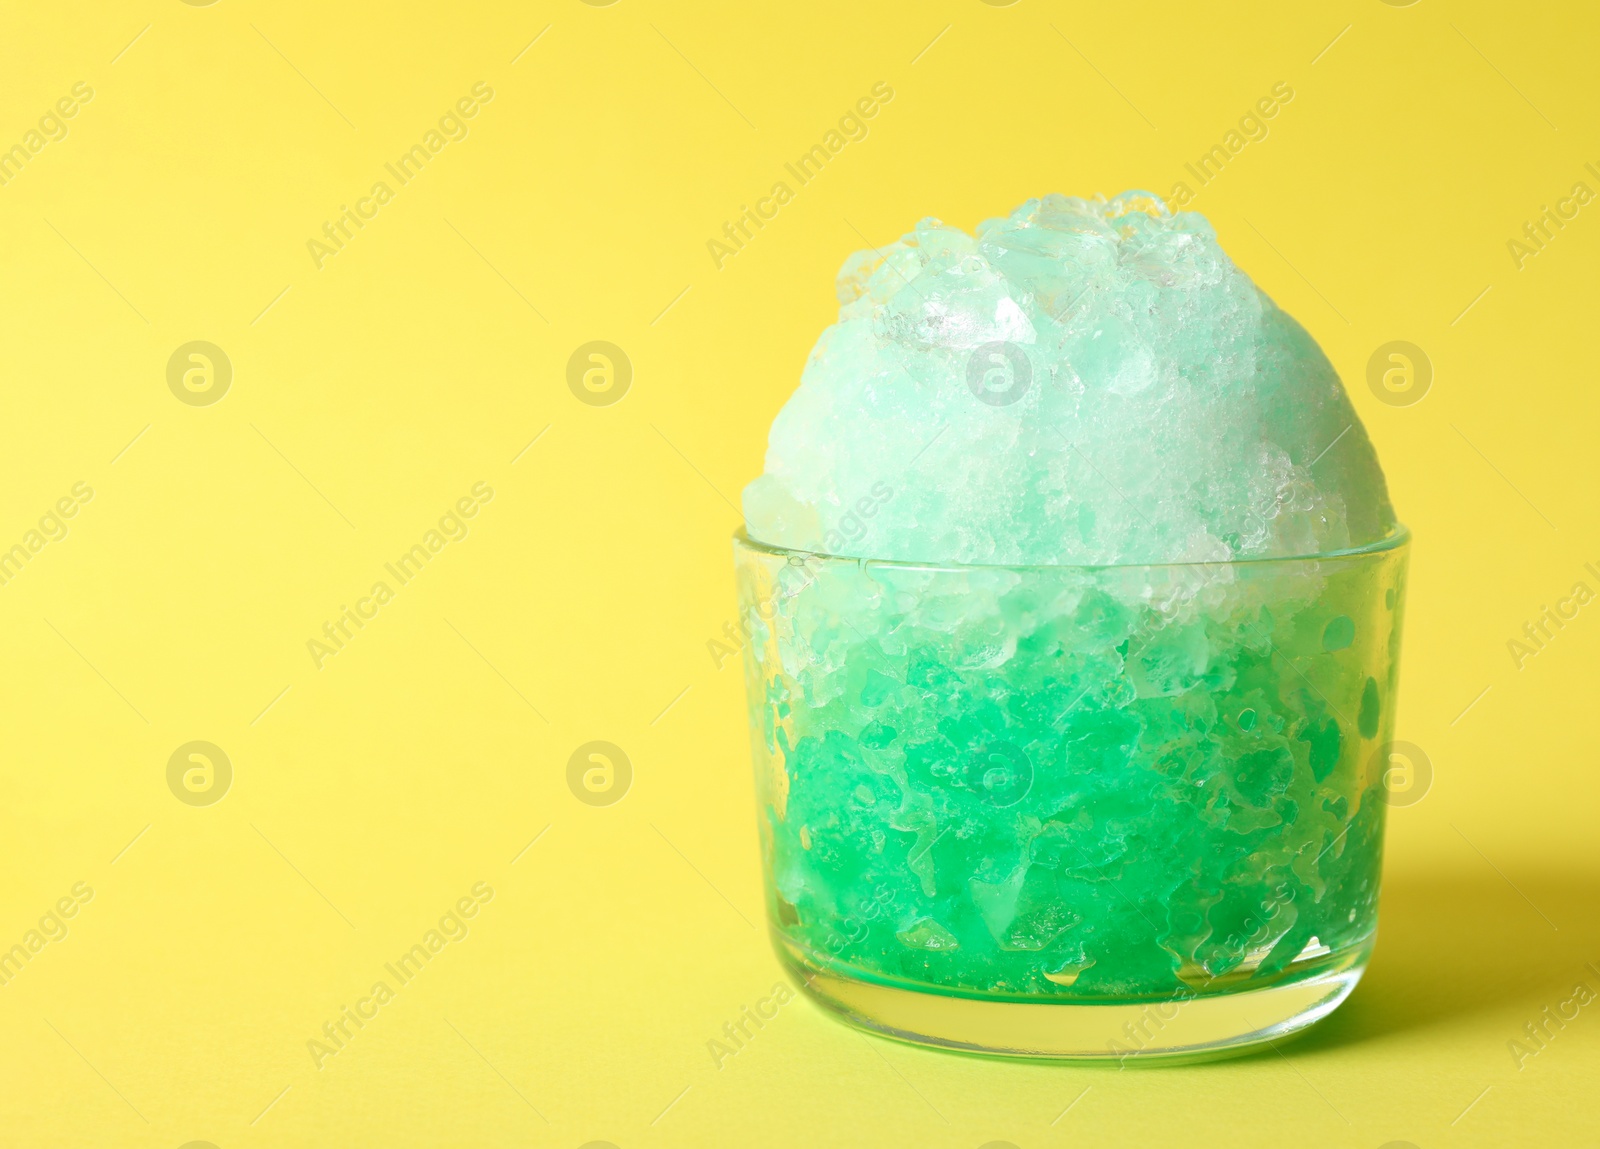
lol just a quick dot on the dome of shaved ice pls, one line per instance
(1082, 382)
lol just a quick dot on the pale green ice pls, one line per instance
(1083, 382)
(1020, 762)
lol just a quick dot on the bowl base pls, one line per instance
(1164, 1029)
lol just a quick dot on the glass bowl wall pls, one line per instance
(1083, 812)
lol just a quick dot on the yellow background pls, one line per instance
(368, 396)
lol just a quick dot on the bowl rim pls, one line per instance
(1397, 539)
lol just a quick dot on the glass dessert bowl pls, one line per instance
(1085, 812)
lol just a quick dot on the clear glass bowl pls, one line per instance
(1073, 812)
